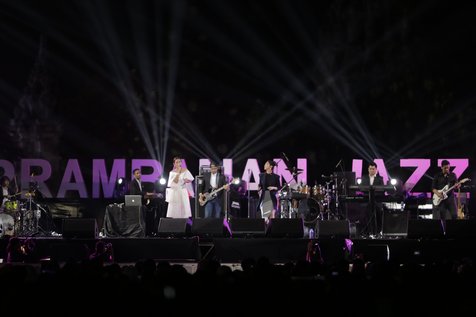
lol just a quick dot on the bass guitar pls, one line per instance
(206, 197)
(444, 191)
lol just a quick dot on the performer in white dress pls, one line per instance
(177, 193)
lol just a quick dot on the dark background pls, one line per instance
(323, 80)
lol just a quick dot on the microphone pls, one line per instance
(340, 161)
(285, 156)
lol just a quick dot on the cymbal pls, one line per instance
(294, 169)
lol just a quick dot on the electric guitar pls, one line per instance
(444, 191)
(206, 197)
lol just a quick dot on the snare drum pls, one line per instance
(11, 206)
(7, 225)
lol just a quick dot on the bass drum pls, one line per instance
(7, 225)
(310, 209)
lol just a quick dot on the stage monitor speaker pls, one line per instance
(333, 229)
(69, 250)
(395, 223)
(285, 228)
(425, 228)
(373, 252)
(461, 228)
(80, 228)
(209, 227)
(247, 227)
(174, 227)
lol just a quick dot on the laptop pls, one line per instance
(133, 200)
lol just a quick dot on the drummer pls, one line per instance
(7, 192)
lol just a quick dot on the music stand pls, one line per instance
(371, 190)
(343, 180)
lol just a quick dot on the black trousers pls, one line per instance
(374, 218)
(446, 209)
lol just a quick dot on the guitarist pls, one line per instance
(447, 208)
(211, 181)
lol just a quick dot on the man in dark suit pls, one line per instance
(213, 180)
(374, 208)
(135, 187)
(149, 209)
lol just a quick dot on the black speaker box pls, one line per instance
(373, 252)
(68, 250)
(333, 229)
(80, 228)
(425, 228)
(395, 223)
(174, 227)
(461, 228)
(208, 227)
(285, 228)
(247, 227)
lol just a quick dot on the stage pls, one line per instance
(235, 250)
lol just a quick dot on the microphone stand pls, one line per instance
(226, 198)
(342, 184)
(285, 208)
(248, 187)
(336, 194)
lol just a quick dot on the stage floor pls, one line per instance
(277, 250)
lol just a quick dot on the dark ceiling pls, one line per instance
(316, 77)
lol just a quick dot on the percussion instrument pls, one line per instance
(310, 209)
(7, 225)
(318, 192)
(11, 206)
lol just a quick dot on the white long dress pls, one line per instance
(178, 197)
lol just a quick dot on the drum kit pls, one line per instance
(19, 217)
(311, 203)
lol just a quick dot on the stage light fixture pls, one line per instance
(359, 181)
(393, 181)
(160, 185)
(121, 188)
